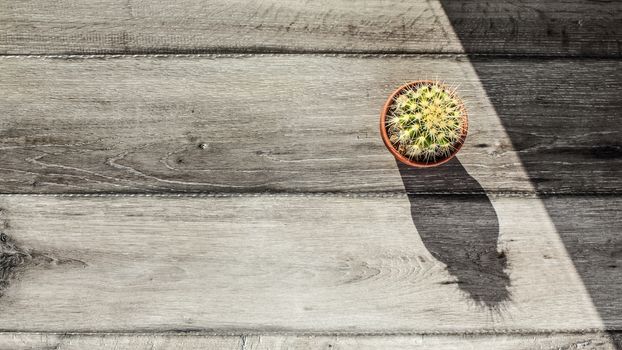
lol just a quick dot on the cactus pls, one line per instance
(425, 122)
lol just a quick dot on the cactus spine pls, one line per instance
(425, 122)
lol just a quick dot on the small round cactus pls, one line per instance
(426, 122)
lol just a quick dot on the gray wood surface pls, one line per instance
(291, 228)
(299, 124)
(558, 27)
(38, 341)
(289, 263)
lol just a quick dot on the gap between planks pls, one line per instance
(396, 194)
(242, 332)
(587, 341)
(314, 53)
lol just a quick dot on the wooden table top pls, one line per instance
(209, 175)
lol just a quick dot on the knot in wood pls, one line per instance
(11, 256)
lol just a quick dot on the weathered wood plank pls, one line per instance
(46, 341)
(559, 27)
(305, 264)
(36, 341)
(582, 226)
(298, 123)
(556, 27)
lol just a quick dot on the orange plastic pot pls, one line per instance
(398, 155)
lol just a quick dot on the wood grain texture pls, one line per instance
(559, 27)
(296, 264)
(298, 124)
(44, 341)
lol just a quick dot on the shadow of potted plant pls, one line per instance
(424, 123)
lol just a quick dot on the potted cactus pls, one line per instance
(423, 123)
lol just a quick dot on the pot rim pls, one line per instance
(401, 157)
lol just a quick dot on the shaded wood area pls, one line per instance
(287, 263)
(582, 226)
(279, 123)
(36, 341)
(522, 27)
(559, 27)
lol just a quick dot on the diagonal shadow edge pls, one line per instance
(594, 286)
